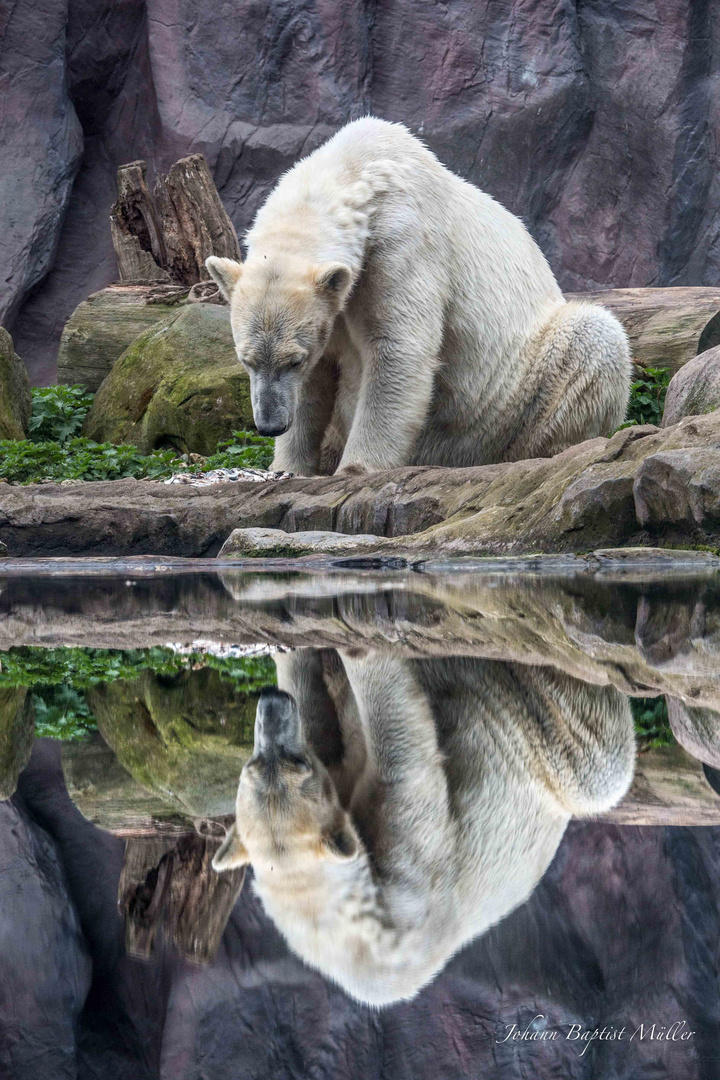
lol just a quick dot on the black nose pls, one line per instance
(272, 432)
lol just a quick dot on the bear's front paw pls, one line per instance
(352, 470)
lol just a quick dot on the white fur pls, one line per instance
(454, 345)
(460, 777)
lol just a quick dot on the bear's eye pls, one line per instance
(294, 360)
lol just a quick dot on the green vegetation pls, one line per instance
(647, 396)
(652, 725)
(246, 450)
(56, 451)
(58, 678)
(58, 412)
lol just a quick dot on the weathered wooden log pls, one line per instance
(666, 327)
(103, 326)
(167, 235)
(169, 887)
(136, 230)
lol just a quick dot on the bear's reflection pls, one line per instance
(394, 809)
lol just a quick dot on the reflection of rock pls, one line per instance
(594, 619)
(105, 324)
(695, 389)
(697, 729)
(602, 493)
(45, 965)
(107, 795)
(181, 386)
(15, 400)
(184, 737)
(17, 729)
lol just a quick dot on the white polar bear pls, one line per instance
(394, 809)
(390, 313)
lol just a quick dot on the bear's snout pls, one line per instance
(278, 728)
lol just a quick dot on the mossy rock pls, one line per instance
(184, 737)
(17, 730)
(103, 326)
(15, 399)
(180, 386)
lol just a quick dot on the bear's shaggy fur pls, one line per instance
(390, 313)
(394, 809)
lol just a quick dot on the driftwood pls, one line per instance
(168, 887)
(166, 235)
(666, 327)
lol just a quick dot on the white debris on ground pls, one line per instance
(224, 476)
(223, 650)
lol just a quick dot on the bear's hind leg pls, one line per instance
(578, 384)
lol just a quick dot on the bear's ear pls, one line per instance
(334, 280)
(231, 854)
(341, 843)
(225, 273)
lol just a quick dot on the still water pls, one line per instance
(358, 824)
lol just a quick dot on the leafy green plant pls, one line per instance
(61, 712)
(245, 450)
(652, 724)
(23, 461)
(58, 412)
(647, 396)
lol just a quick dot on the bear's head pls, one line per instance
(282, 314)
(288, 815)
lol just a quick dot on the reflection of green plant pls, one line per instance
(245, 450)
(58, 412)
(61, 712)
(647, 396)
(58, 678)
(652, 724)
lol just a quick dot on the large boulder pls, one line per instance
(101, 328)
(17, 730)
(697, 729)
(178, 386)
(184, 737)
(15, 400)
(695, 389)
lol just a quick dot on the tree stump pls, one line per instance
(166, 235)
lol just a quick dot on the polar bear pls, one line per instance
(390, 313)
(393, 809)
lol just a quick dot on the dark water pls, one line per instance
(477, 831)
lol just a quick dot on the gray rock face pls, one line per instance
(554, 110)
(40, 143)
(695, 389)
